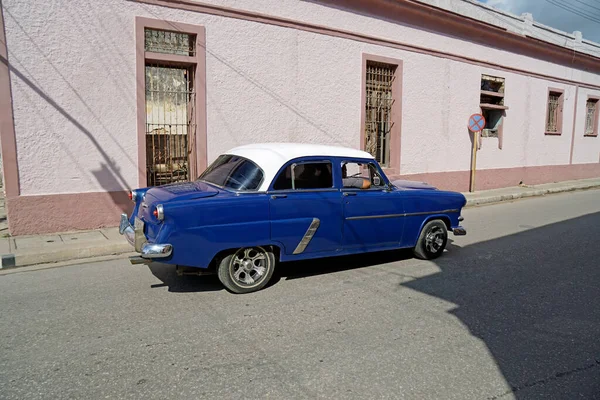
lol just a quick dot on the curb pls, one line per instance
(40, 267)
(60, 255)
(530, 193)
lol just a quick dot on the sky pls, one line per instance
(566, 15)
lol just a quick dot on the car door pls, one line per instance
(373, 214)
(306, 208)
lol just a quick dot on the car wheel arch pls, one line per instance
(442, 217)
(276, 249)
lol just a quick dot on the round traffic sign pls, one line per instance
(476, 122)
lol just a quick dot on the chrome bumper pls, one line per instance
(135, 236)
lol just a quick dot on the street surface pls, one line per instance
(510, 311)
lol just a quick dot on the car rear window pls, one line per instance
(233, 172)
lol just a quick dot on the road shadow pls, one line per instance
(533, 299)
(324, 266)
(167, 274)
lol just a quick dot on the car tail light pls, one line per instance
(159, 212)
(133, 196)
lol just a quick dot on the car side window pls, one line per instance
(305, 176)
(361, 176)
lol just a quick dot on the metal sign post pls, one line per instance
(476, 125)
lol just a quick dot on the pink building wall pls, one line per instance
(73, 82)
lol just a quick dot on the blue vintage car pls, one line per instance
(263, 204)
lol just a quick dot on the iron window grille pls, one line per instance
(170, 122)
(553, 118)
(590, 116)
(379, 99)
(166, 42)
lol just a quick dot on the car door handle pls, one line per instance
(349, 194)
(279, 196)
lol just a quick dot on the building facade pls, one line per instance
(100, 97)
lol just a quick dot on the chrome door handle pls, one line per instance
(349, 194)
(279, 196)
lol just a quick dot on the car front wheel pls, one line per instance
(247, 270)
(432, 240)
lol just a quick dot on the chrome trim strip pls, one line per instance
(312, 229)
(400, 215)
(290, 191)
(375, 216)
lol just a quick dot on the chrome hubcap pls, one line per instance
(249, 266)
(434, 240)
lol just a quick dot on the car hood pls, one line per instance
(180, 191)
(402, 184)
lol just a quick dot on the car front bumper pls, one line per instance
(135, 236)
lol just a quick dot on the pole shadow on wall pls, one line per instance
(111, 185)
(109, 176)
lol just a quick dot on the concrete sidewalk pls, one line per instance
(42, 249)
(519, 192)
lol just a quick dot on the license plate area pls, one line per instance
(140, 238)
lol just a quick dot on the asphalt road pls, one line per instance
(510, 311)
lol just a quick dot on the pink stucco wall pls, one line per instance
(75, 108)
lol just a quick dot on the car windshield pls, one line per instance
(233, 172)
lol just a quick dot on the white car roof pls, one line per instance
(270, 157)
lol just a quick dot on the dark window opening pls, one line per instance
(491, 102)
(305, 176)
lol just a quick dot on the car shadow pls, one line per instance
(323, 266)
(532, 298)
(167, 274)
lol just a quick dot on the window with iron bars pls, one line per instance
(170, 100)
(591, 117)
(379, 99)
(554, 116)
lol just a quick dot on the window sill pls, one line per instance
(553, 133)
(487, 106)
(591, 135)
(492, 94)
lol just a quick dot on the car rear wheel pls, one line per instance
(247, 270)
(432, 240)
